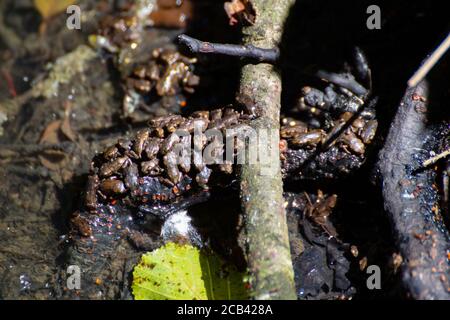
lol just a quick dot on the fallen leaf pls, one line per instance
(52, 159)
(183, 272)
(172, 14)
(51, 133)
(66, 129)
(56, 132)
(240, 9)
(49, 8)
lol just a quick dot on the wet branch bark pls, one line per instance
(268, 250)
(425, 273)
(248, 51)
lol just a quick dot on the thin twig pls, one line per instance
(430, 62)
(244, 51)
(436, 158)
(10, 83)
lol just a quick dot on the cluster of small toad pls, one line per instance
(339, 124)
(167, 73)
(353, 139)
(147, 168)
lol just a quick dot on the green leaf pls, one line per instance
(183, 272)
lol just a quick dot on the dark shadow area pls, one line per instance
(320, 35)
(218, 221)
(219, 74)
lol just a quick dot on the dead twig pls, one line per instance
(244, 51)
(430, 62)
(436, 158)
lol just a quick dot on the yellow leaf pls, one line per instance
(49, 8)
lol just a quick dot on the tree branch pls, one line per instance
(268, 252)
(418, 229)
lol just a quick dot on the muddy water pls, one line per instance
(60, 104)
(72, 103)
